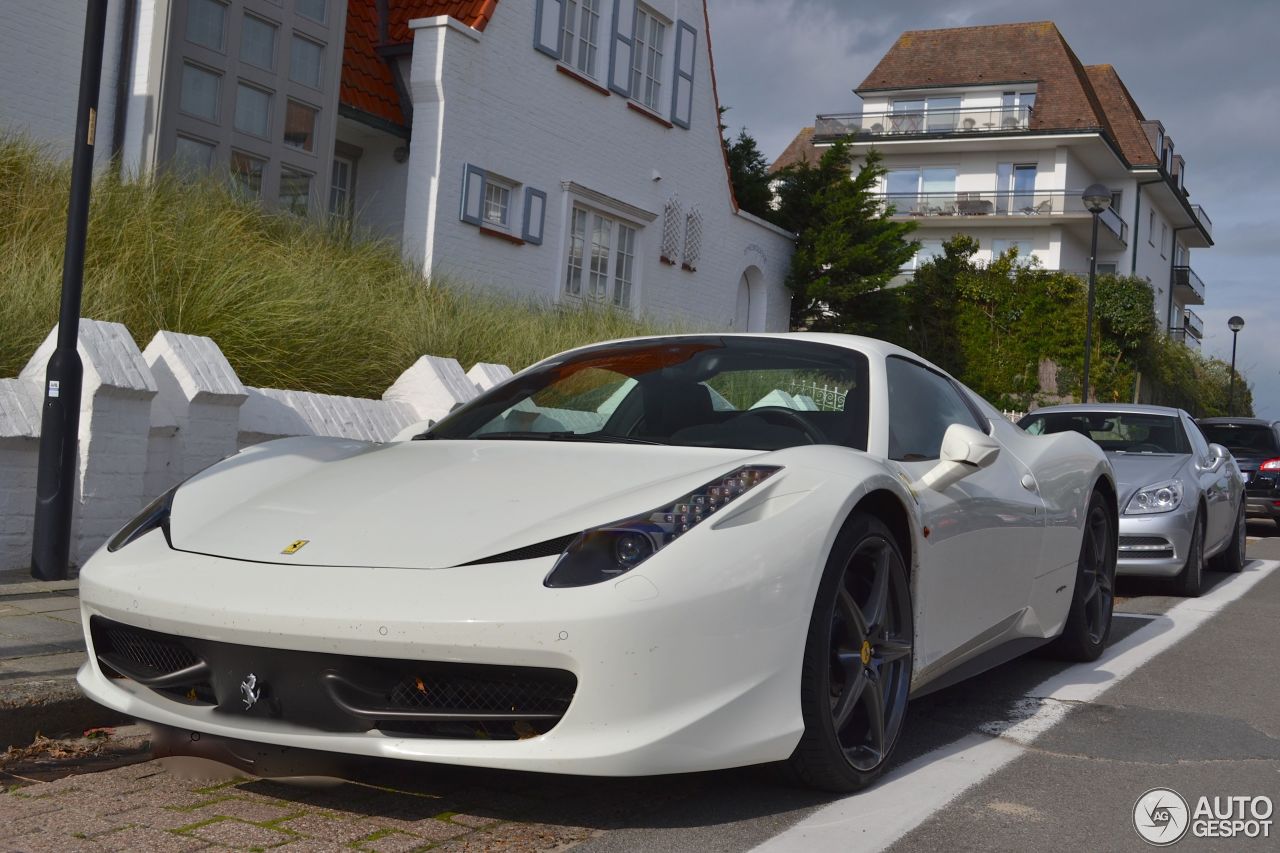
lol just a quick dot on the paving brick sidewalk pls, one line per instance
(40, 649)
(145, 807)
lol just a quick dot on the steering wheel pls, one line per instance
(794, 418)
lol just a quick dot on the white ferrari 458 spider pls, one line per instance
(646, 556)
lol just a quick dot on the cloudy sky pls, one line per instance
(1210, 71)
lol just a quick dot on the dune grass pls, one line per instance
(292, 303)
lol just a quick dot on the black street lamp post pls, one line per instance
(1096, 198)
(1235, 324)
(60, 416)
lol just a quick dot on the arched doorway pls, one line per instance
(749, 314)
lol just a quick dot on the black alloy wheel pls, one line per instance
(1233, 558)
(1188, 582)
(858, 661)
(1088, 625)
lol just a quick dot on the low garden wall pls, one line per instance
(150, 418)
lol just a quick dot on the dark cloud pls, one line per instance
(1210, 71)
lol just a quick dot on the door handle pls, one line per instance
(1028, 482)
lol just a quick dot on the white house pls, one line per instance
(566, 150)
(995, 131)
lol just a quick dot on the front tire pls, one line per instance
(1188, 583)
(1088, 624)
(857, 661)
(1233, 558)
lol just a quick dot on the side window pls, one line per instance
(922, 404)
(1199, 444)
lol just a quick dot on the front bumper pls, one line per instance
(689, 663)
(1155, 545)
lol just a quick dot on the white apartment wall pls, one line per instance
(380, 180)
(492, 100)
(1046, 241)
(40, 49)
(141, 114)
(976, 170)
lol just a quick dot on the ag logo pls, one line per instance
(250, 691)
(1161, 817)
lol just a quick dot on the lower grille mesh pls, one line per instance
(338, 693)
(146, 649)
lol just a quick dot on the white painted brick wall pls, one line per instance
(40, 46)
(497, 103)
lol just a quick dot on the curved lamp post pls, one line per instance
(1096, 198)
(1235, 324)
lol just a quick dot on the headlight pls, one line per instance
(1162, 497)
(155, 514)
(604, 553)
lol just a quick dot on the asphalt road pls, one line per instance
(1035, 755)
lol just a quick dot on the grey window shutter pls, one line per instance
(548, 27)
(535, 215)
(624, 24)
(682, 85)
(473, 181)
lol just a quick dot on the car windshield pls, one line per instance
(703, 391)
(1243, 439)
(1119, 432)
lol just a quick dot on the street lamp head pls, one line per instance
(1236, 323)
(1096, 198)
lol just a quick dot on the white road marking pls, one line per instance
(906, 797)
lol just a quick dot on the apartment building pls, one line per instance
(564, 150)
(995, 131)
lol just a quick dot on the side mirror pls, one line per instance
(964, 451)
(1217, 455)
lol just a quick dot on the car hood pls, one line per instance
(1135, 470)
(425, 504)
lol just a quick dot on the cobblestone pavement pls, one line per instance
(145, 807)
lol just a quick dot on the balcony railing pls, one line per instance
(1011, 203)
(1203, 216)
(966, 120)
(1188, 285)
(1192, 323)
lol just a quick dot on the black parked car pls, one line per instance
(1255, 443)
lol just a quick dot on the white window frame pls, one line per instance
(498, 193)
(341, 195)
(601, 281)
(581, 45)
(647, 59)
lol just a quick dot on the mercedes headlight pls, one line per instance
(1161, 497)
(604, 553)
(153, 515)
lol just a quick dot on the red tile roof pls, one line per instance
(368, 83)
(473, 13)
(993, 55)
(1123, 114)
(800, 150)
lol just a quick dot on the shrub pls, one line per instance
(293, 304)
